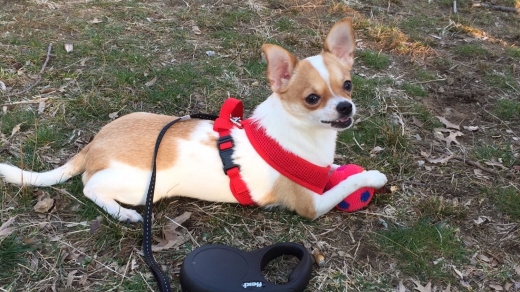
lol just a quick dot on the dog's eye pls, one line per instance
(347, 85)
(312, 99)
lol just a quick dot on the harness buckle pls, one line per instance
(225, 146)
(237, 121)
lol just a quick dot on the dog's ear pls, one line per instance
(340, 41)
(280, 66)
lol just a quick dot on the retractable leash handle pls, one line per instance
(221, 268)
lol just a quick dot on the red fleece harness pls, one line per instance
(295, 168)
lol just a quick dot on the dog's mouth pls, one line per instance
(340, 123)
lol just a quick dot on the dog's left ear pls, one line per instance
(340, 41)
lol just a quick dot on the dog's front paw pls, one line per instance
(375, 179)
(129, 216)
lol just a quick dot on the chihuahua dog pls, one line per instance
(310, 102)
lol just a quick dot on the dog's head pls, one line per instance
(316, 90)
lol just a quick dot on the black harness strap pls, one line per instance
(160, 277)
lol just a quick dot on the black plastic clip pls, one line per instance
(226, 153)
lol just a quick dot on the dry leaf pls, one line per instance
(195, 29)
(375, 151)
(41, 107)
(113, 115)
(495, 163)
(5, 229)
(481, 220)
(172, 238)
(2, 86)
(471, 128)
(401, 287)
(95, 21)
(69, 48)
(70, 278)
(48, 90)
(133, 265)
(459, 273)
(83, 280)
(417, 122)
(484, 258)
(95, 224)
(151, 82)
(15, 129)
(442, 160)
(496, 287)
(448, 289)
(452, 138)
(508, 286)
(44, 206)
(517, 270)
(421, 288)
(447, 123)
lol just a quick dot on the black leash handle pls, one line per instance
(159, 275)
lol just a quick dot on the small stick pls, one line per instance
(38, 79)
(28, 101)
(497, 7)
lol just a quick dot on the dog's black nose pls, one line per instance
(344, 108)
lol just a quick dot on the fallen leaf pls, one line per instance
(41, 107)
(69, 48)
(113, 115)
(5, 229)
(448, 289)
(517, 270)
(452, 138)
(401, 287)
(471, 128)
(459, 273)
(70, 278)
(481, 220)
(95, 224)
(133, 265)
(172, 238)
(2, 86)
(44, 206)
(447, 123)
(484, 258)
(376, 150)
(95, 21)
(496, 287)
(442, 160)
(507, 286)
(421, 288)
(16, 129)
(83, 280)
(496, 163)
(417, 122)
(151, 82)
(417, 137)
(195, 29)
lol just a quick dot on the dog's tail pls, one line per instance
(15, 175)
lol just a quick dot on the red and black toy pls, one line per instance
(358, 199)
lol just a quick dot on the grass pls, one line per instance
(374, 60)
(417, 246)
(506, 200)
(137, 41)
(12, 253)
(507, 109)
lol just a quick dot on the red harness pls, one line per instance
(295, 168)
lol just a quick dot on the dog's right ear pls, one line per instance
(280, 66)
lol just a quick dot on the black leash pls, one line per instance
(159, 275)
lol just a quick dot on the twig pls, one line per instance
(38, 79)
(28, 101)
(497, 7)
(476, 164)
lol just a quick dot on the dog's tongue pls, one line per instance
(344, 120)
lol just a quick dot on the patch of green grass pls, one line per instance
(284, 24)
(438, 209)
(414, 90)
(374, 60)
(424, 115)
(506, 109)
(513, 52)
(416, 247)
(24, 118)
(503, 80)
(500, 153)
(470, 51)
(506, 200)
(11, 254)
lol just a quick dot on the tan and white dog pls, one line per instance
(310, 103)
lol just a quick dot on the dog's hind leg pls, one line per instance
(112, 207)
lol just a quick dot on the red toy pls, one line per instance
(358, 199)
